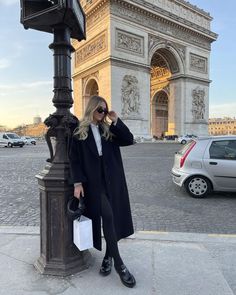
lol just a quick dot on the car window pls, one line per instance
(224, 149)
(5, 137)
(13, 135)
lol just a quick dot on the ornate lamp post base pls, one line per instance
(60, 269)
(59, 256)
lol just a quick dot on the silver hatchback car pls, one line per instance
(206, 164)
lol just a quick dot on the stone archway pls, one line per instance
(166, 65)
(160, 74)
(91, 88)
(160, 114)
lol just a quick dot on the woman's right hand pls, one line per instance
(78, 191)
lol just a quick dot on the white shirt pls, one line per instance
(97, 137)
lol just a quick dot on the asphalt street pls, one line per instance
(157, 204)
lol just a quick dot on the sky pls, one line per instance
(26, 64)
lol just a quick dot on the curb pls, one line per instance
(140, 235)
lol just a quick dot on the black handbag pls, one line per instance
(75, 208)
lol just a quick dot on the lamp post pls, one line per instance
(65, 19)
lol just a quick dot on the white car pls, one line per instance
(9, 139)
(186, 138)
(206, 164)
(29, 140)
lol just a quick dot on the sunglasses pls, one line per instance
(100, 110)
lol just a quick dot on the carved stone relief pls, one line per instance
(198, 104)
(130, 97)
(91, 48)
(156, 23)
(129, 42)
(198, 63)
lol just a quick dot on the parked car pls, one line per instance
(9, 139)
(29, 140)
(206, 164)
(170, 137)
(186, 138)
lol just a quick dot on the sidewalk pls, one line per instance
(163, 264)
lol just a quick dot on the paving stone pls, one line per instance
(157, 204)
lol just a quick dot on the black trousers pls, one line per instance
(109, 231)
(108, 224)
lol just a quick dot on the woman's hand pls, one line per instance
(78, 191)
(112, 116)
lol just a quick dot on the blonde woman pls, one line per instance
(98, 176)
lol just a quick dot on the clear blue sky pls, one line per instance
(26, 68)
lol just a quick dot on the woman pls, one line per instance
(98, 176)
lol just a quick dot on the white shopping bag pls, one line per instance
(83, 233)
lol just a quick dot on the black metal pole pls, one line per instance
(59, 256)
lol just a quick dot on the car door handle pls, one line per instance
(213, 163)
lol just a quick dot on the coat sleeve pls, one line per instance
(76, 167)
(123, 136)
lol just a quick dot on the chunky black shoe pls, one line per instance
(106, 266)
(126, 277)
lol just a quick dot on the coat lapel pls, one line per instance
(105, 147)
(90, 142)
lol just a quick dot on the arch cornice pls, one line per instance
(151, 16)
(86, 80)
(166, 89)
(154, 92)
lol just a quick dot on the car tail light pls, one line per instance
(183, 158)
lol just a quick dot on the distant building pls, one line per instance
(222, 126)
(35, 130)
(37, 120)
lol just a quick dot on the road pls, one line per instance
(157, 204)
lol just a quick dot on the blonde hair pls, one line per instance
(82, 131)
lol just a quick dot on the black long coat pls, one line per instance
(86, 168)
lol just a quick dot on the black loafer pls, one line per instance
(106, 266)
(126, 277)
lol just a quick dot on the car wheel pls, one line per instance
(10, 144)
(183, 141)
(21, 145)
(198, 186)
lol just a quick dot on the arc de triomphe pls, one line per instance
(150, 60)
